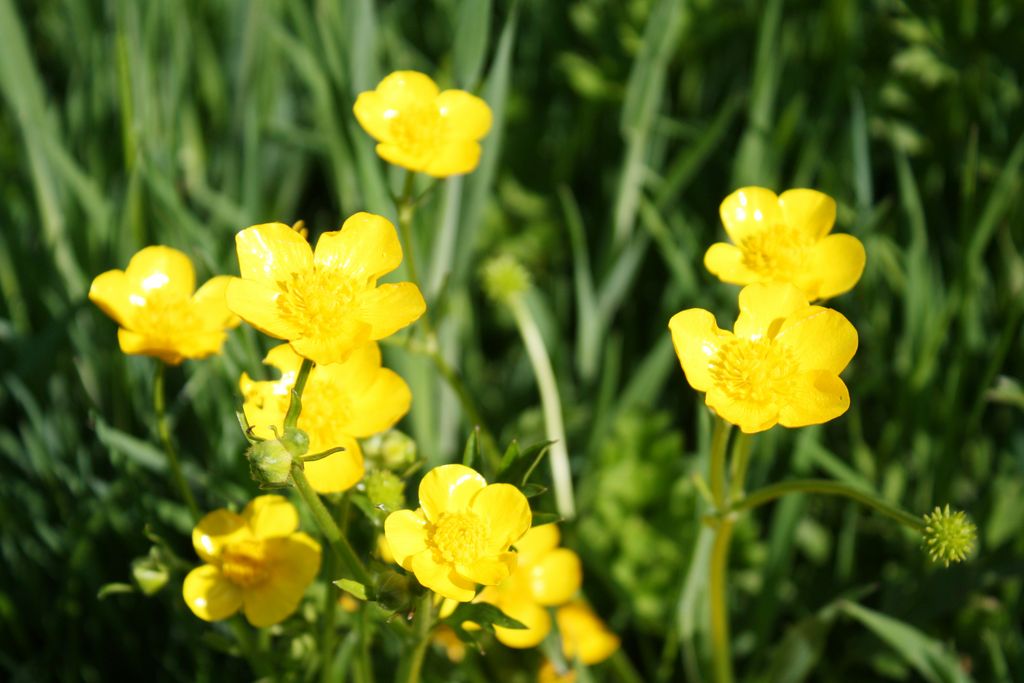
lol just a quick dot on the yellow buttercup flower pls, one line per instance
(545, 576)
(462, 532)
(780, 364)
(326, 303)
(341, 403)
(785, 239)
(255, 562)
(584, 635)
(421, 129)
(152, 301)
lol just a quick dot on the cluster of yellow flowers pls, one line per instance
(782, 360)
(326, 304)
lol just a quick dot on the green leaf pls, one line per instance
(927, 656)
(533, 490)
(485, 615)
(540, 518)
(471, 452)
(472, 29)
(351, 587)
(109, 589)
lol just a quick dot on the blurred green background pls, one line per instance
(619, 127)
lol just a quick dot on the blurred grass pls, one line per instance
(619, 126)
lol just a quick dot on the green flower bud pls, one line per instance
(150, 574)
(949, 536)
(505, 278)
(392, 449)
(385, 490)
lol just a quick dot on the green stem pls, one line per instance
(718, 589)
(164, 432)
(295, 407)
(828, 488)
(719, 441)
(329, 528)
(423, 623)
(329, 624)
(249, 649)
(719, 566)
(406, 212)
(739, 462)
(551, 405)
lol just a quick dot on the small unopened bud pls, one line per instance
(270, 461)
(505, 278)
(392, 449)
(949, 536)
(385, 490)
(150, 574)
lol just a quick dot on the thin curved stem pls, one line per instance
(164, 432)
(718, 569)
(291, 418)
(828, 488)
(551, 406)
(719, 441)
(423, 624)
(738, 464)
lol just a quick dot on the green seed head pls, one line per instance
(385, 490)
(393, 450)
(949, 536)
(505, 278)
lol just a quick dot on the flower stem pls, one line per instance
(291, 418)
(406, 212)
(719, 566)
(738, 464)
(164, 432)
(551, 404)
(328, 623)
(828, 488)
(423, 624)
(249, 649)
(329, 528)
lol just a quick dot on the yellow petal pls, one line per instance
(136, 343)
(390, 307)
(209, 594)
(835, 266)
(819, 338)
(489, 571)
(365, 248)
(374, 114)
(270, 253)
(216, 530)
(725, 262)
(748, 211)
(533, 616)
(400, 156)
(337, 472)
(506, 513)
(453, 158)
(347, 335)
(763, 307)
(161, 268)
(294, 562)
(270, 516)
(811, 212)
(210, 302)
(110, 291)
(816, 397)
(256, 304)
(749, 416)
(383, 404)
(536, 542)
(466, 117)
(555, 579)
(402, 89)
(406, 534)
(200, 344)
(584, 635)
(448, 488)
(697, 338)
(440, 578)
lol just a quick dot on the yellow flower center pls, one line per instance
(417, 130)
(757, 371)
(162, 317)
(245, 563)
(315, 300)
(778, 252)
(459, 537)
